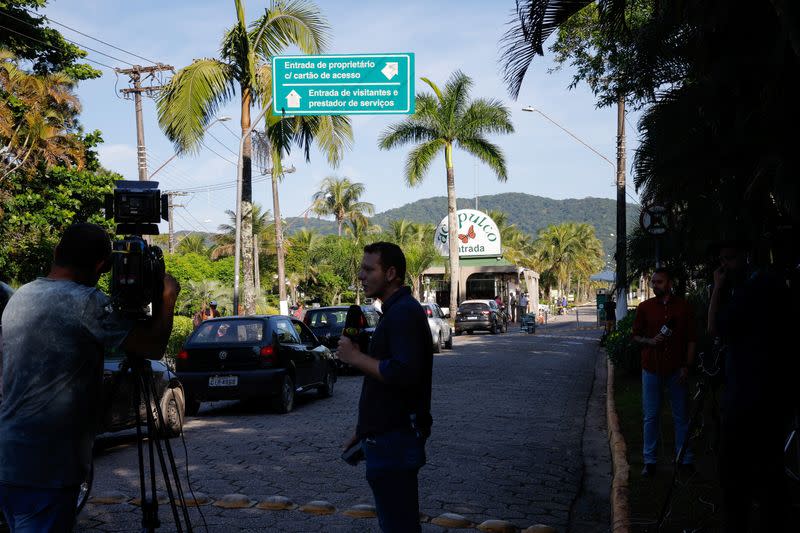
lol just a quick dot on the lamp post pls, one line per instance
(165, 163)
(621, 255)
(239, 177)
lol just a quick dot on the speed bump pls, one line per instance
(318, 507)
(453, 521)
(277, 503)
(361, 510)
(234, 501)
(497, 526)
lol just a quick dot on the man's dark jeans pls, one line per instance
(33, 510)
(393, 460)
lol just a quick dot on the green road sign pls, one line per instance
(366, 84)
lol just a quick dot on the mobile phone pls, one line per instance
(354, 454)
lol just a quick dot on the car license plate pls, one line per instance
(223, 381)
(472, 318)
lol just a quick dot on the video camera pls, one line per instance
(137, 272)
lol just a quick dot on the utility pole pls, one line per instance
(135, 73)
(622, 252)
(171, 206)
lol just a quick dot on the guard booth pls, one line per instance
(483, 273)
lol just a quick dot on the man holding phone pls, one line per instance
(760, 374)
(394, 412)
(664, 326)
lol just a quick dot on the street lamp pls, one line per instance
(622, 291)
(219, 119)
(531, 109)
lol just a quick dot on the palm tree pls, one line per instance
(190, 100)
(37, 119)
(419, 256)
(339, 197)
(261, 233)
(331, 133)
(443, 120)
(193, 243)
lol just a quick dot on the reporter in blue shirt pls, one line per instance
(394, 417)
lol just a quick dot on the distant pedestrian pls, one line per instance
(394, 412)
(205, 313)
(523, 305)
(512, 307)
(664, 326)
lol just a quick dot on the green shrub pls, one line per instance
(622, 351)
(182, 327)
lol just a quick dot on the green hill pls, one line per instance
(530, 213)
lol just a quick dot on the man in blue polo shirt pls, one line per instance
(394, 412)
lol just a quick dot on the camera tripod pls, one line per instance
(145, 394)
(709, 371)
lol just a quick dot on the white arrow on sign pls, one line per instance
(390, 70)
(293, 99)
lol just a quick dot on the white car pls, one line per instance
(441, 332)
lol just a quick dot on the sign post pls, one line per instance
(364, 84)
(654, 220)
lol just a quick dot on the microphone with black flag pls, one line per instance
(354, 325)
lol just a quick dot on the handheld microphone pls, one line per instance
(667, 328)
(354, 324)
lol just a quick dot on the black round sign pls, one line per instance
(654, 219)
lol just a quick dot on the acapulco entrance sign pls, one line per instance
(478, 235)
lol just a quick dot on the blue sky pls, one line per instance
(443, 35)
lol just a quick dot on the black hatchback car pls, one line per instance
(253, 358)
(474, 315)
(327, 323)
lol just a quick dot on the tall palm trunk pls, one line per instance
(452, 229)
(276, 207)
(247, 208)
(257, 265)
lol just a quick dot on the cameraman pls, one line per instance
(664, 326)
(55, 331)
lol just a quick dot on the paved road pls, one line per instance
(509, 416)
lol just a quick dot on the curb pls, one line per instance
(620, 509)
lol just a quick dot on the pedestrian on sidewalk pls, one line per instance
(55, 331)
(523, 305)
(757, 400)
(512, 307)
(664, 326)
(394, 412)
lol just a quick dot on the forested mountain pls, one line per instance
(530, 213)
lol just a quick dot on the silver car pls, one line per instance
(441, 332)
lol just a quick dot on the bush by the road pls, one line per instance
(182, 327)
(622, 351)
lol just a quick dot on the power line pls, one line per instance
(218, 154)
(237, 135)
(52, 48)
(68, 40)
(222, 143)
(98, 40)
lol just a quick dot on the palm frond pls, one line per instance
(290, 23)
(486, 116)
(404, 132)
(191, 100)
(332, 133)
(420, 159)
(530, 26)
(487, 152)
